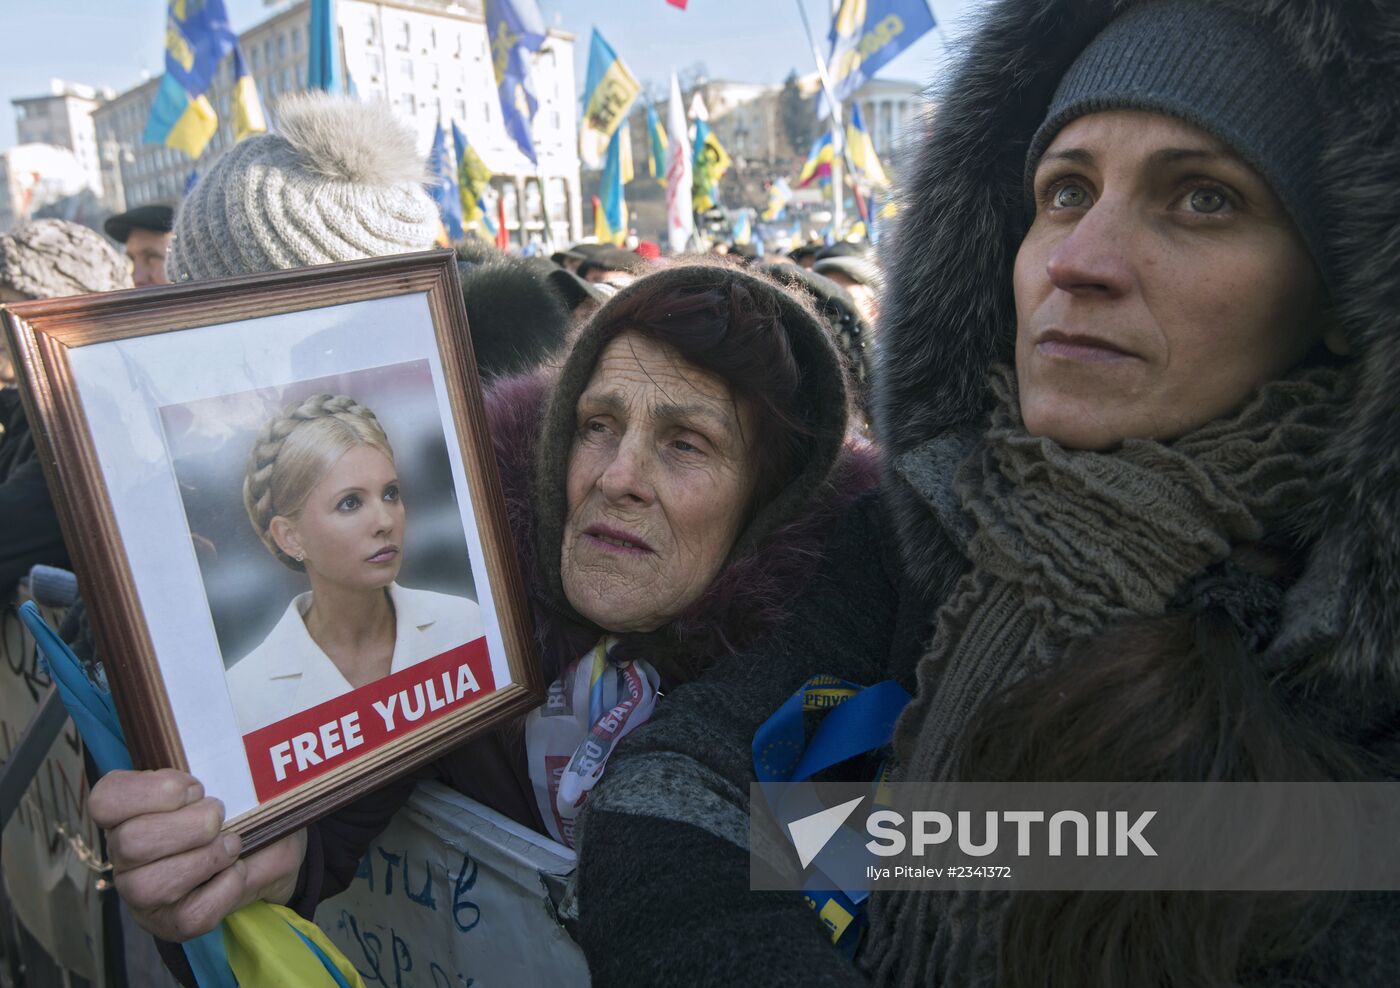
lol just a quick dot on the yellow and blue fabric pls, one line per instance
(711, 162)
(779, 194)
(608, 95)
(855, 721)
(259, 946)
(322, 52)
(442, 186)
(656, 146)
(473, 179)
(617, 172)
(818, 164)
(248, 116)
(864, 35)
(860, 152)
(741, 228)
(197, 37)
(514, 27)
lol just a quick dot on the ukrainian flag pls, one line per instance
(608, 94)
(711, 162)
(656, 146)
(818, 165)
(473, 178)
(610, 212)
(860, 150)
(247, 108)
(197, 37)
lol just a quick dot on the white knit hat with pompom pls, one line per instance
(340, 180)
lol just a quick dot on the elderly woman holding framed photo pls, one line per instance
(670, 488)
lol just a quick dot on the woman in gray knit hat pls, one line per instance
(1137, 397)
(339, 180)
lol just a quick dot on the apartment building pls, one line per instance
(429, 59)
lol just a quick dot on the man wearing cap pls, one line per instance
(145, 231)
(847, 265)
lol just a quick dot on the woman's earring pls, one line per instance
(300, 557)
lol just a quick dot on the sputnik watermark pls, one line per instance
(1070, 836)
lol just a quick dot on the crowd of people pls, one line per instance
(1096, 457)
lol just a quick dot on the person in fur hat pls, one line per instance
(669, 487)
(48, 258)
(1136, 396)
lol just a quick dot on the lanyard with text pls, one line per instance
(856, 721)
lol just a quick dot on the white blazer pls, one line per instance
(288, 672)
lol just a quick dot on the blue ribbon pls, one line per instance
(96, 718)
(860, 721)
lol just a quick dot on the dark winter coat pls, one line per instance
(672, 814)
(29, 532)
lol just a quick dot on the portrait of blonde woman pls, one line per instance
(323, 494)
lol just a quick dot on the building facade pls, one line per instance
(429, 59)
(63, 117)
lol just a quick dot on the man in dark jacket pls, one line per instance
(46, 259)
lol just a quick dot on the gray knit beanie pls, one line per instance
(340, 180)
(1216, 68)
(53, 258)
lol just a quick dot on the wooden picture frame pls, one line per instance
(142, 404)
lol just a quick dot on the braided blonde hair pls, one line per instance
(294, 451)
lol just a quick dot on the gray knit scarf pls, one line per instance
(1064, 543)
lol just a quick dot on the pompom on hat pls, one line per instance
(340, 180)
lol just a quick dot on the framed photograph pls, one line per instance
(283, 508)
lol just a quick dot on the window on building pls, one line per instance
(375, 65)
(407, 105)
(406, 68)
(487, 105)
(267, 52)
(371, 27)
(432, 38)
(459, 110)
(286, 80)
(435, 74)
(257, 58)
(405, 36)
(281, 47)
(558, 201)
(296, 40)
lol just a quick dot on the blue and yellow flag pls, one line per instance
(442, 186)
(779, 193)
(656, 146)
(864, 35)
(473, 178)
(711, 162)
(818, 164)
(860, 152)
(247, 108)
(514, 27)
(610, 219)
(197, 37)
(608, 94)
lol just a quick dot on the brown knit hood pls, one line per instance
(756, 571)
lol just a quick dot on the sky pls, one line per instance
(113, 42)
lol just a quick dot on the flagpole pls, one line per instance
(838, 143)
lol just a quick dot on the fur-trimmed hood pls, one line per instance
(948, 310)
